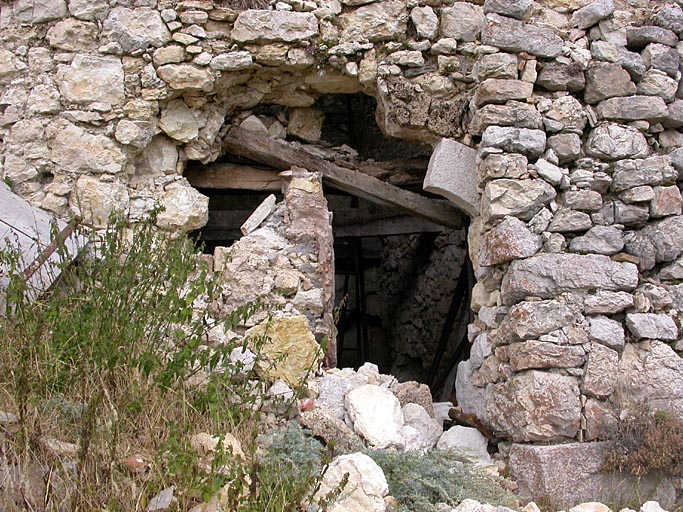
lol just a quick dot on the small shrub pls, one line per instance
(648, 442)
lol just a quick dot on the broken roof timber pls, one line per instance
(281, 155)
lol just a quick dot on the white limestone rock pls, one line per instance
(516, 36)
(379, 21)
(652, 326)
(135, 133)
(91, 78)
(95, 202)
(614, 142)
(592, 13)
(530, 143)
(161, 155)
(186, 77)
(271, 26)
(232, 61)
(462, 21)
(135, 29)
(426, 22)
(185, 209)
(428, 429)
(366, 484)
(75, 150)
(607, 331)
(517, 198)
(73, 35)
(602, 368)
(89, 10)
(376, 416)
(178, 122)
(465, 441)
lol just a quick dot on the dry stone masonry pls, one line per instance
(556, 128)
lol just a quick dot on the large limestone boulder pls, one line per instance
(271, 26)
(651, 376)
(548, 275)
(290, 352)
(465, 441)
(185, 209)
(376, 415)
(536, 406)
(73, 35)
(135, 29)
(91, 78)
(365, 489)
(75, 150)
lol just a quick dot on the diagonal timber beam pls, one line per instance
(281, 155)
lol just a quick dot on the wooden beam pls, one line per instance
(228, 176)
(281, 155)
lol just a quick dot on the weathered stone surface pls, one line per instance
(376, 415)
(426, 22)
(471, 399)
(185, 210)
(606, 331)
(614, 142)
(518, 9)
(606, 302)
(602, 369)
(548, 275)
(186, 76)
(607, 80)
(379, 21)
(666, 201)
(290, 352)
(496, 65)
(451, 173)
(530, 143)
(517, 198)
(178, 122)
(662, 57)
(507, 241)
(652, 326)
(670, 17)
(305, 123)
(91, 78)
(599, 240)
(232, 61)
(73, 35)
(511, 166)
(640, 194)
(466, 441)
(566, 220)
(639, 37)
(556, 76)
(331, 392)
(516, 36)
(633, 108)
(39, 11)
(76, 150)
(569, 112)
(529, 320)
(658, 84)
(536, 406)
(89, 9)
(161, 156)
(331, 429)
(135, 29)
(496, 90)
(540, 354)
(569, 474)
(649, 171)
(413, 392)
(630, 215)
(420, 430)
(462, 21)
(365, 489)
(601, 421)
(135, 133)
(651, 375)
(513, 113)
(657, 242)
(567, 147)
(590, 14)
(584, 200)
(94, 201)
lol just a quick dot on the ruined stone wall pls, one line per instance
(571, 106)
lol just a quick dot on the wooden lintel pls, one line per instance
(228, 176)
(281, 155)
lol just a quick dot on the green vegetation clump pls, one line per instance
(652, 441)
(419, 482)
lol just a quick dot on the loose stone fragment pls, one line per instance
(589, 15)
(548, 275)
(376, 415)
(467, 442)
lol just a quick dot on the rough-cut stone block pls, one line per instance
(496, 90)
(516, 36)
(602, 369)
(548, 275)
(462, 21)
(606, 303)
(541, 354)
(535, 406)
(466, 441)
(452, 173)
(529, 320)
(91, 78)
(380, 21)
(649, 171)
(666, 201)
(592, 13)
(512, 166)
(496, 65)
(607, 240)
(94, 201)
(518, 9)
(509, 240)
(530, 143)
(657, 242)
(569, 474)
(556, 76)
(633, 108)
(607, 80)
(513, 113)
(566, 220)
(376, 415)
(518, 198)
(650, 375)
(652, 326)
(270, 26)
(186, 76)
(607, 331)
(614, 142)
(135, 29)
